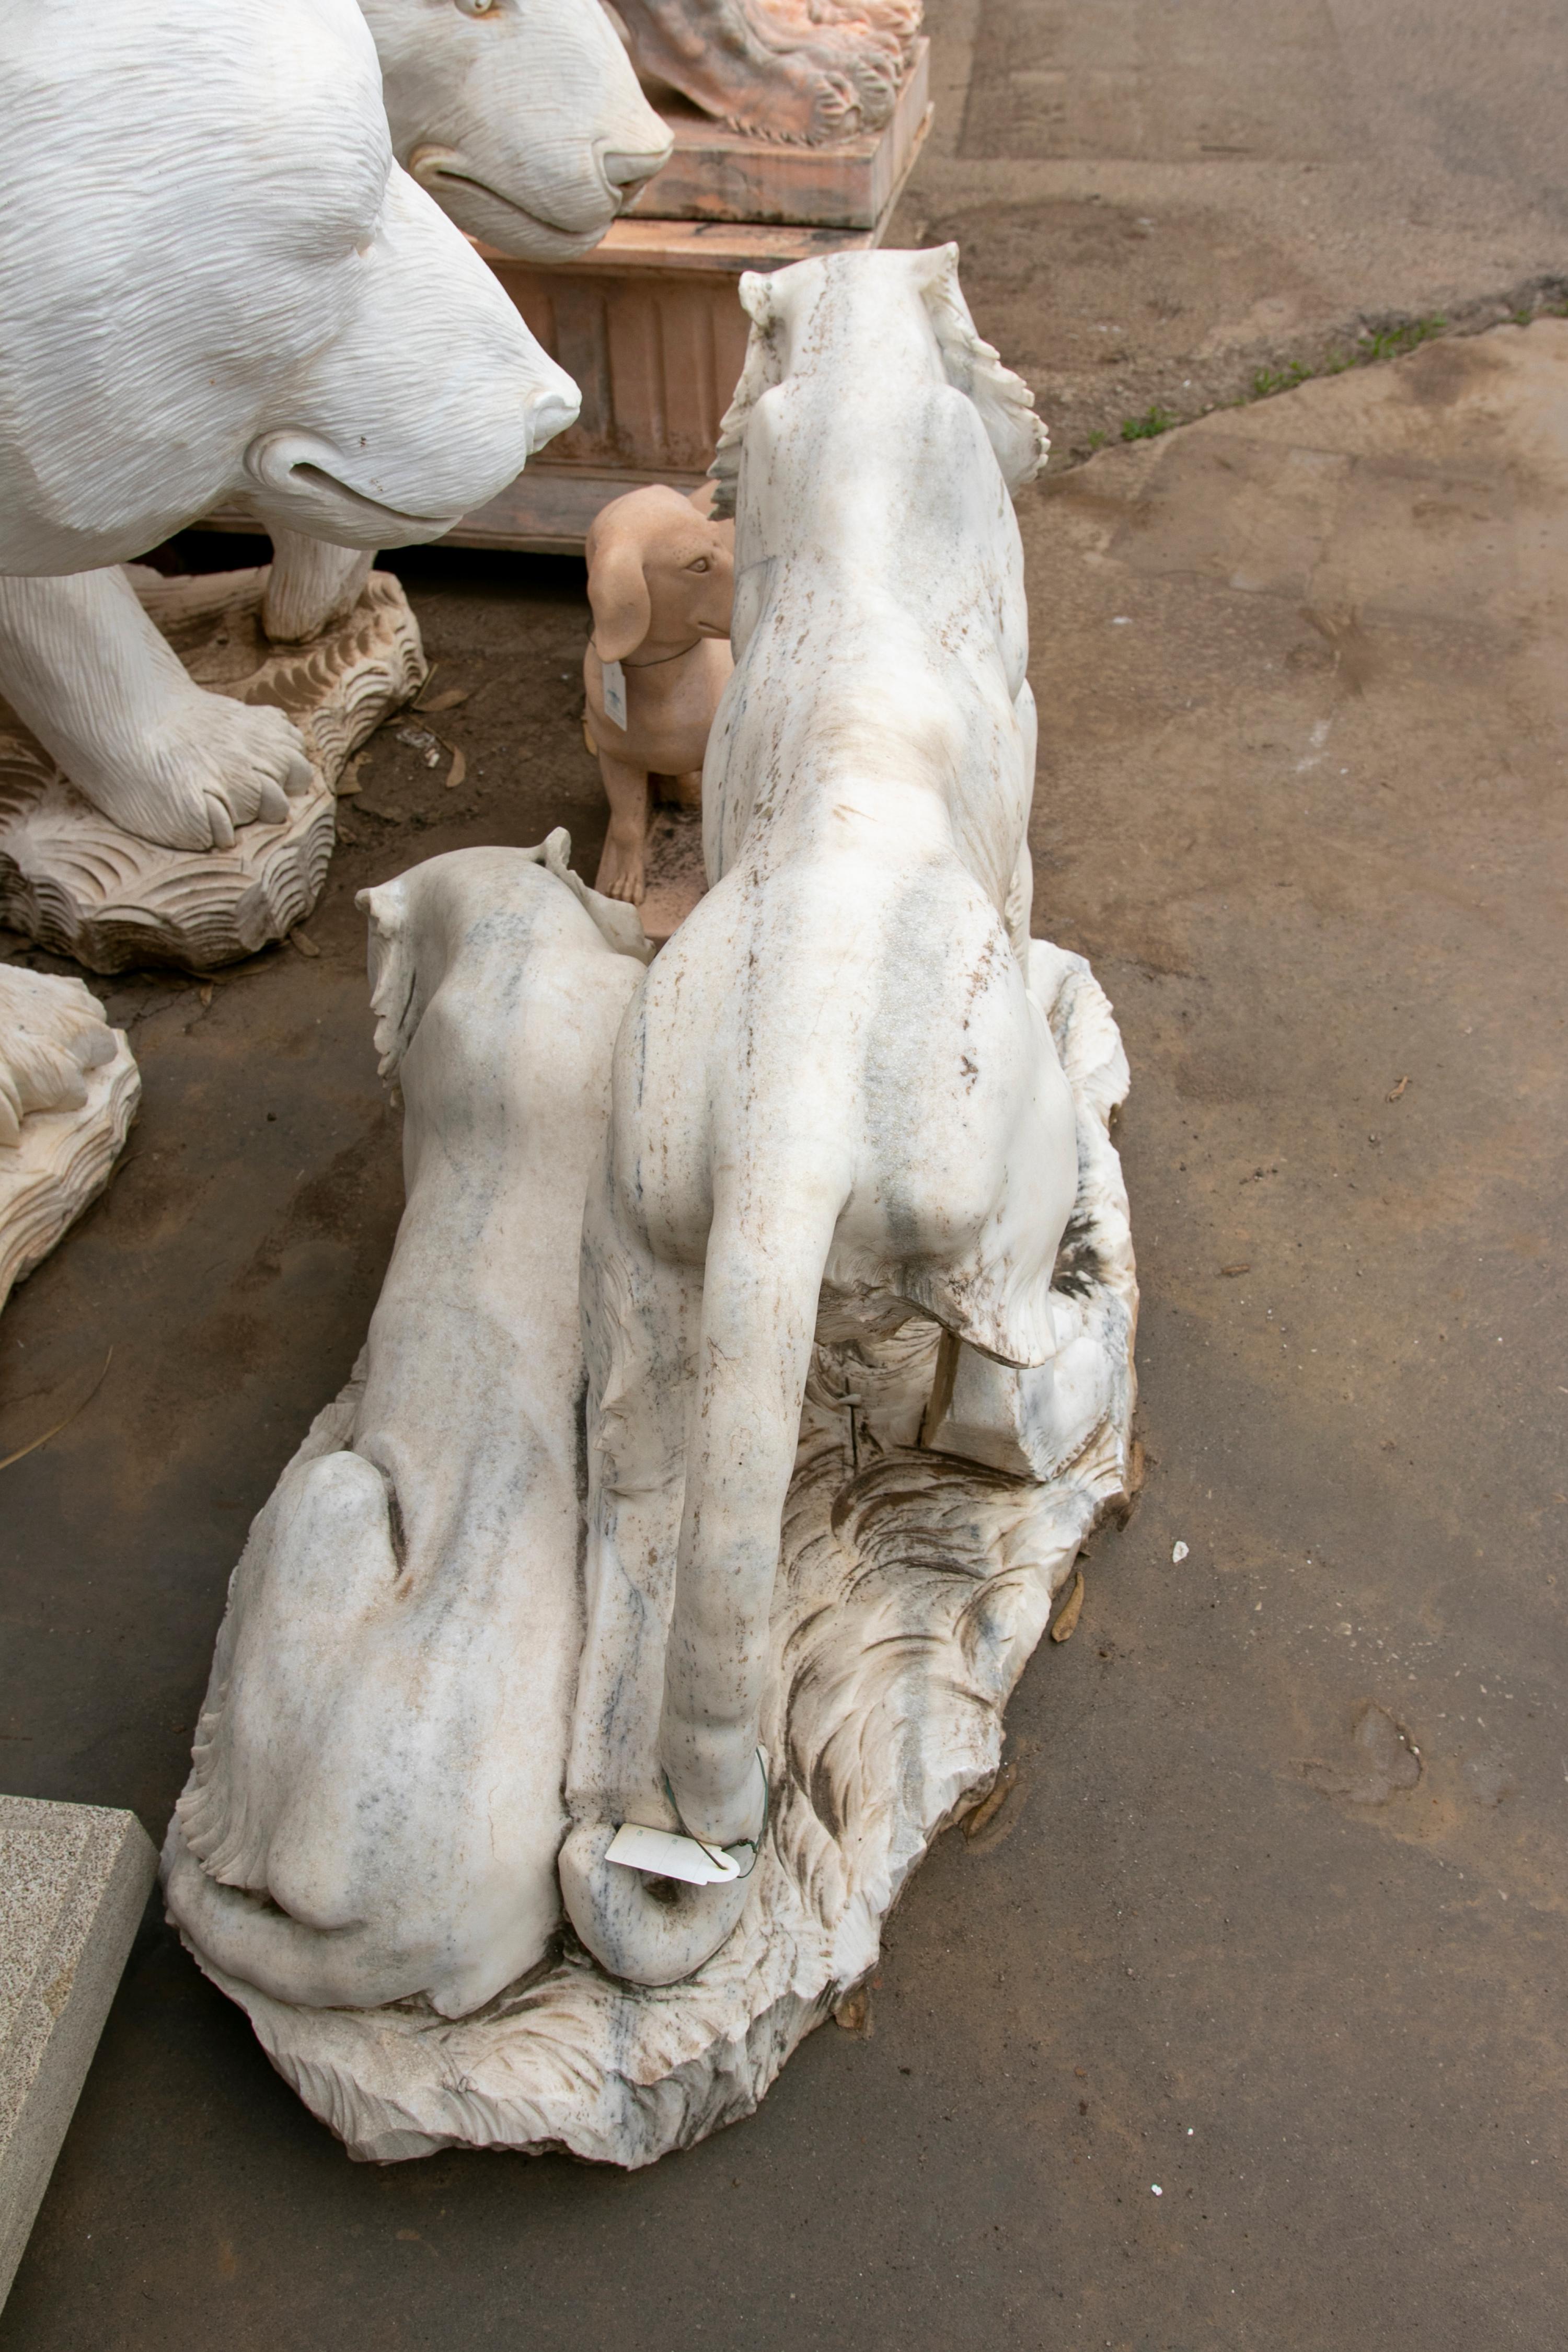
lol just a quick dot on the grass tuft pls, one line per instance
(1148, 426)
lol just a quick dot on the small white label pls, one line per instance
(615, 693)
(664, 1855)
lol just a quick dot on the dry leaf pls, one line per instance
(447, 701)
(992, 1802)
(1395, 1092)
(1067, 1616)
(23, 1450)
(305, 947)
(1245, 1267)
(458, 770)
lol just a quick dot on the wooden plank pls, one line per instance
(548, 509)
(724, 247)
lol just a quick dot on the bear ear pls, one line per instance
(618, 595)
(1005, 404)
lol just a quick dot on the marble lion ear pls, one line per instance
(557, 846)
(936, 270)
(760, 372)
(386, 909)
(757, 297)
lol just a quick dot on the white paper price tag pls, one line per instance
(663, 1854)
(615, 693)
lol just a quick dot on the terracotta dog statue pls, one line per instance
(662, 579)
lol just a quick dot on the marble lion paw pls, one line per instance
(52, 1032)
(651, 1931)
(191, 776)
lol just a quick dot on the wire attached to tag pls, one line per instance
(615, 694)
(665, 1853)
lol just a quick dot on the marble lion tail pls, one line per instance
(760, 1288)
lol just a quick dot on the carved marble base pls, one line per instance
(64, 1158)
(76, 883)
(913, 1587)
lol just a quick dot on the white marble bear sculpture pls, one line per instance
(216, 283)
(836, 1082)
(523, 118)
(376, 1800)
(525, 122)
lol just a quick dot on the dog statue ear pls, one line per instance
(1005, 404)
(618, 595)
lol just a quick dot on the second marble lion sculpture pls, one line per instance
(375, 1801)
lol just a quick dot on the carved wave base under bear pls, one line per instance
(70, 879)
(64, 1161)
(913, 1587)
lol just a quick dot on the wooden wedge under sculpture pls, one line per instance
(835, 1085)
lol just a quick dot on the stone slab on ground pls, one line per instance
(73, 1881)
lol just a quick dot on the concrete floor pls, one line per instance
(1300, 802)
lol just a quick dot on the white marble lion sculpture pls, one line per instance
(526, 122)
(835, 1084)
(217, 282)
(375, 1803)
